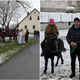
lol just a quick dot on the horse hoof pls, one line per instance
(52, 72)
(62, 63)
(44, 72)
(56, 65)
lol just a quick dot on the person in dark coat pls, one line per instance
(34, 33)
(26, 36)
(69, 23)
(73, 38)
(37, 33)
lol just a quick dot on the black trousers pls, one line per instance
(26, 39)
(73, 59)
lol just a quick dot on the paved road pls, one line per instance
(25, 65)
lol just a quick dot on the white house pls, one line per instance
(30, 22)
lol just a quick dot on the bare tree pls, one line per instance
(11, 10)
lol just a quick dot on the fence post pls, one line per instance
(71, 17)
(60, 18)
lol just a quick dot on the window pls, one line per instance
(25, 27)
(34, 13)
(33, 26)
(30, 18)
(38, 18)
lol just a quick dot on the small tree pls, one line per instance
(11, 10)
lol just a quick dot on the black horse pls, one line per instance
(49, 50)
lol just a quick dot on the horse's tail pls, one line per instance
(61, 45)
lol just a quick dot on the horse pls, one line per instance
(10, 34)
(49, 50)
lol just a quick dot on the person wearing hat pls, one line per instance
(50, 31)
(73, 39)
(26, 36)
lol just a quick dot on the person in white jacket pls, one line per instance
(20, 37)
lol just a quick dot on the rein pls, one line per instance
(71, 51)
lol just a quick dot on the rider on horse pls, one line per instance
(51, 31)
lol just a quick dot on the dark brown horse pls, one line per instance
(9, 33)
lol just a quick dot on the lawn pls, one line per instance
(9, 49)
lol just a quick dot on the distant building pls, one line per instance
(58, 6)
(30, 22)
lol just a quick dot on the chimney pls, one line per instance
(27, 13)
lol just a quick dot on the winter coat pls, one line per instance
(27, 35)
(74, 36)
(35, 32)
(51, 31)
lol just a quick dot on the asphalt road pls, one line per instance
(24, 65)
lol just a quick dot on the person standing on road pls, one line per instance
(26, 36)
(73, 38)
(69, 23)
(35, 34)
(23, 37)
(20, 37)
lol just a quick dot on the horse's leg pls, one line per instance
(62, 61)
(57, 60)
(46, 62)
(1, 41)
(52, 65)
(11, 39)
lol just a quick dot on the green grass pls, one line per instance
(9, 49)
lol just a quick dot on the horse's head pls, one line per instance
(7, 29)
(50, 40)
(16, 31)
(51, 43)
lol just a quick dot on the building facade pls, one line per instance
(30, 22)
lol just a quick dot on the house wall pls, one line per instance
(30, 23)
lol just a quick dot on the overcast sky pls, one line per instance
(36, 4)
